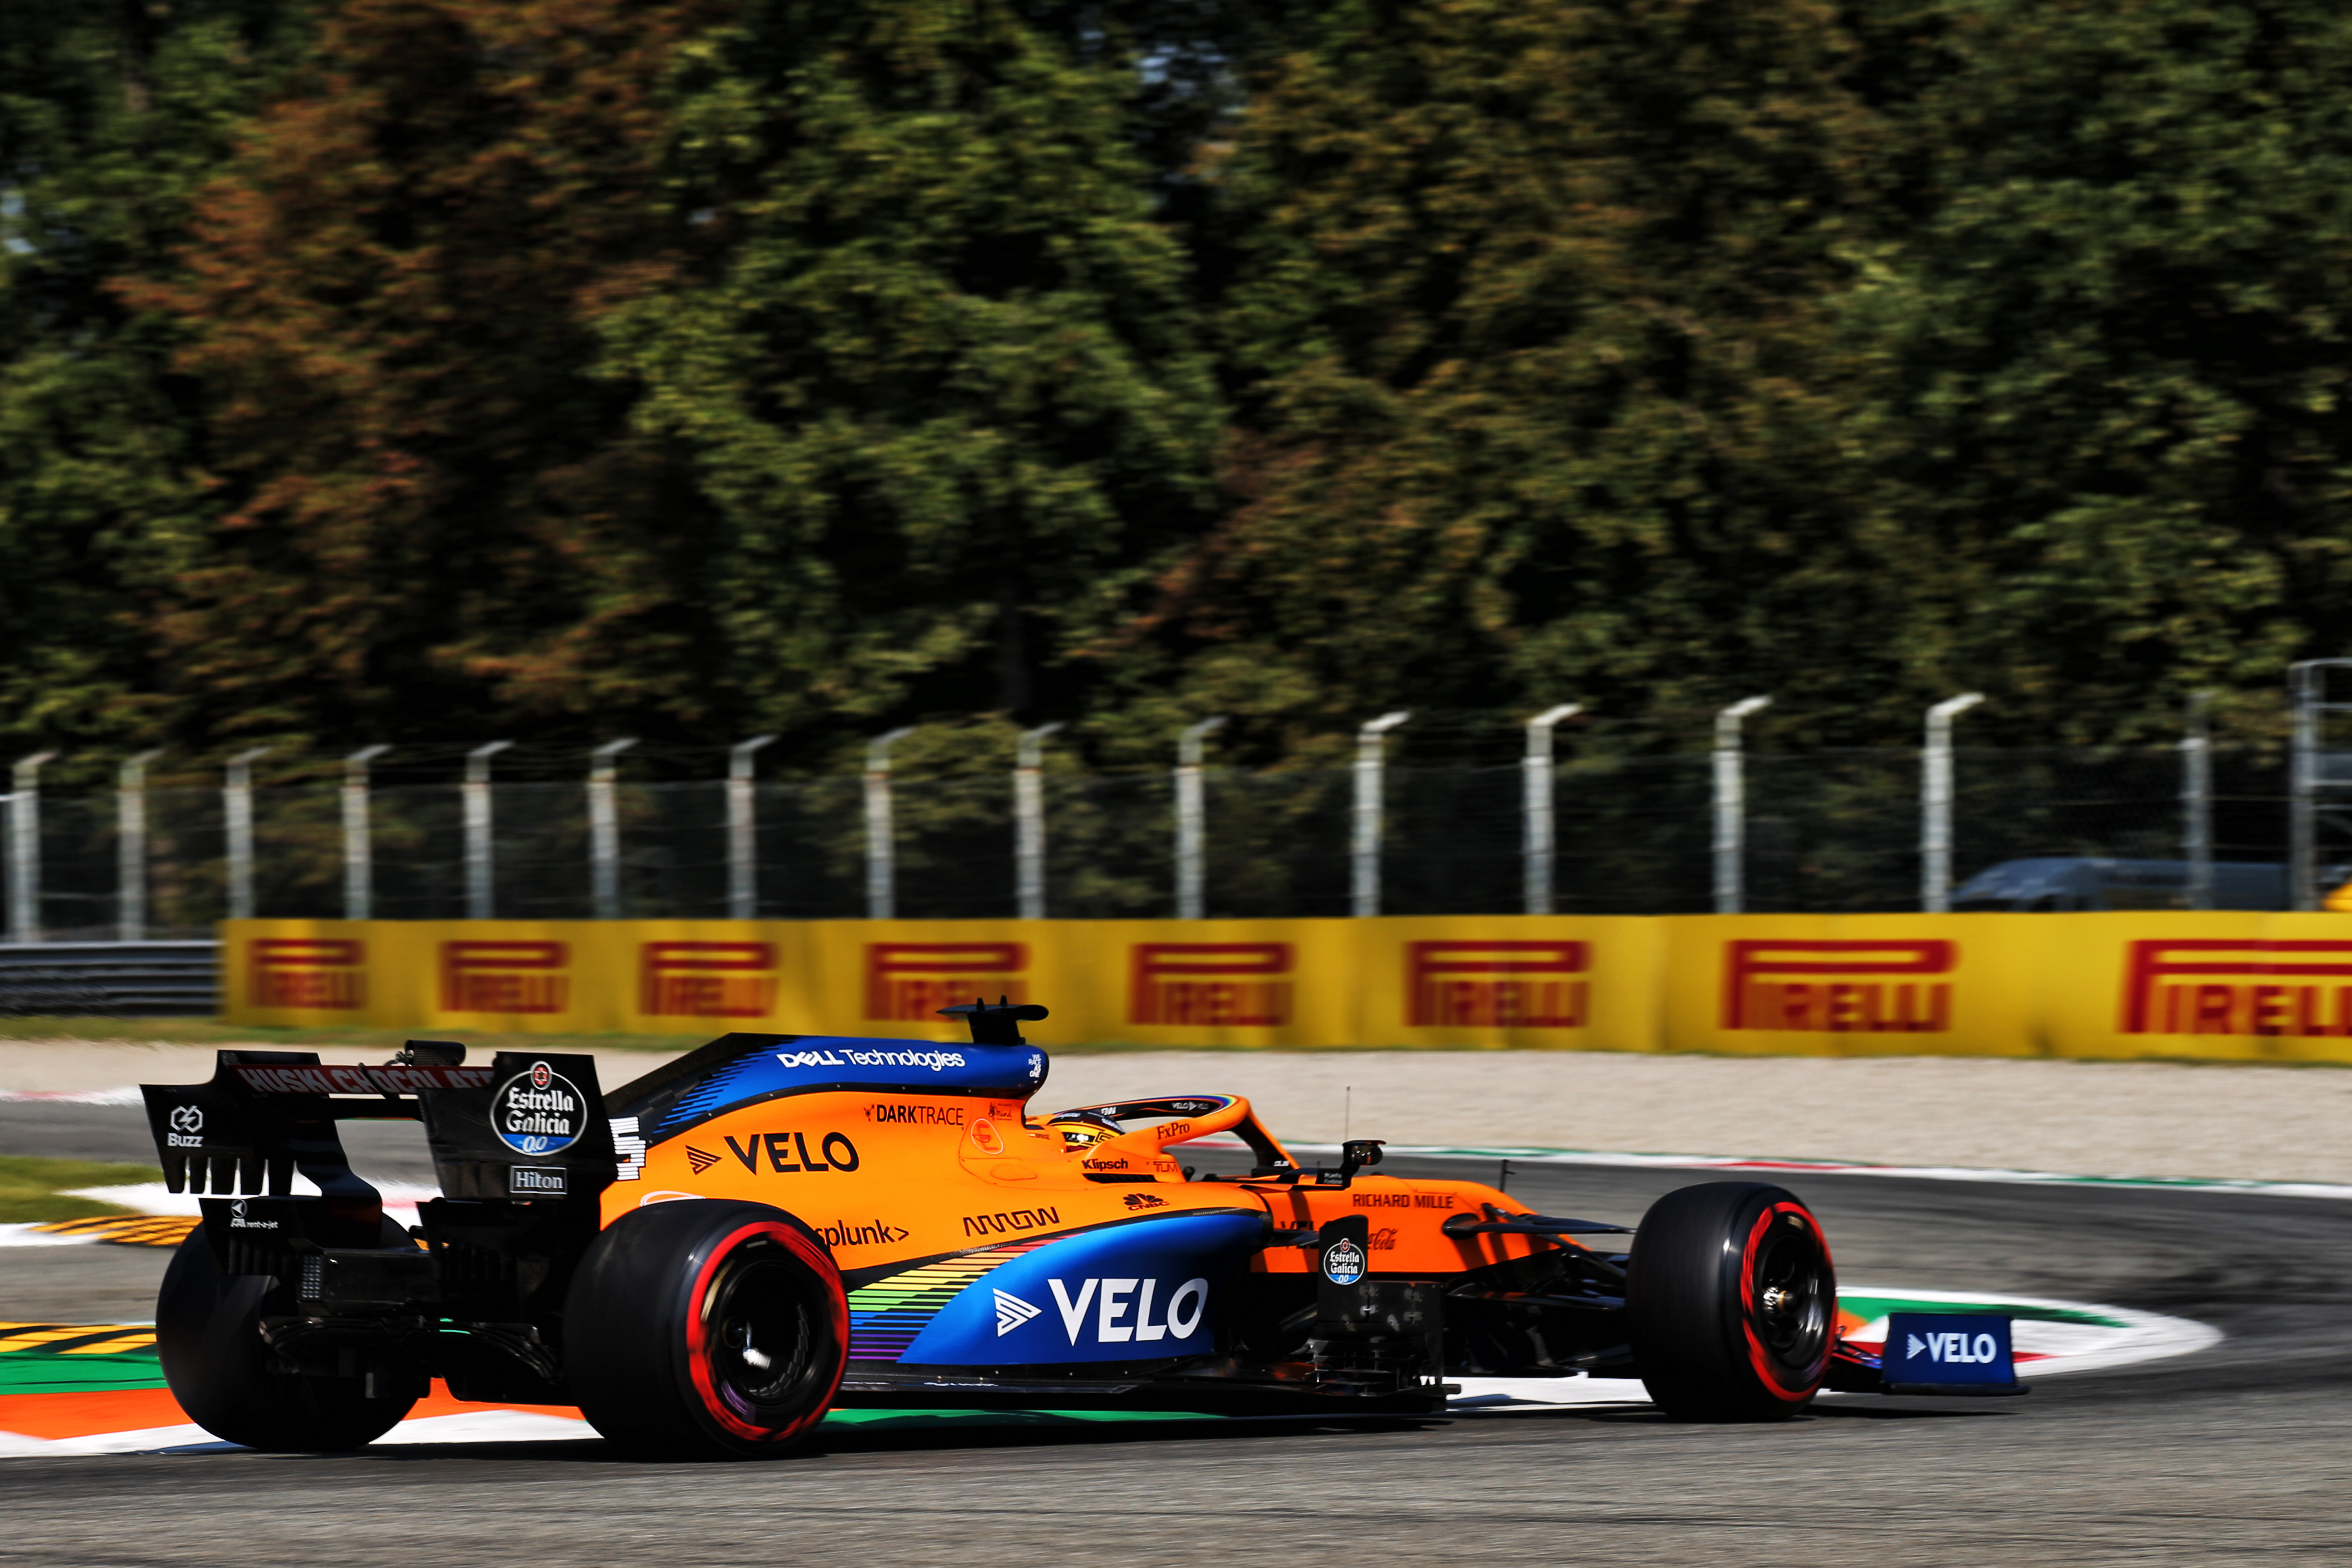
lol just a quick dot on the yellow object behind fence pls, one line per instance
(2249, 986)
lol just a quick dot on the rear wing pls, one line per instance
(529, 1127)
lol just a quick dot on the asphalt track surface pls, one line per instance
(2241, 1455)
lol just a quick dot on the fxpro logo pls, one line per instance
(330, 974)
(707, 979)
(1496, 984)
(1121, 1311)
(1846, 987)
(2221, 987)
(505, 976)
(1236, 984)
(909, 981)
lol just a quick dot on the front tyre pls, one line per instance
(209, 1338)
(706, 1328)
(1731, 1302)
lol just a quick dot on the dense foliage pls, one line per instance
(427, 370)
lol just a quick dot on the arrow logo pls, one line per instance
(699, 1160)
(1012, 1312)
(1911, 1352)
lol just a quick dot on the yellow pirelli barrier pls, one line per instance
(2245, 986)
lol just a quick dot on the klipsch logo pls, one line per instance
(1496, 984)
(286, 971)
(538, 1112)
(707, 979)
(2251, 987)
(505, 976)
(911, 981)
(1848, 987)
(1236, 984)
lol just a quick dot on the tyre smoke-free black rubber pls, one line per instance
(1731, 1302)
(706, 1329)
(208, 1337)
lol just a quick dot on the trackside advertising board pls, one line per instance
(2230, 986)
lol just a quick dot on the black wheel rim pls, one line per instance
(768, 1325)
(1789, 1295)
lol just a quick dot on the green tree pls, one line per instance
(936, 366)
(110, 116)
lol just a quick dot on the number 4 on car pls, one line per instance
(708, 1260)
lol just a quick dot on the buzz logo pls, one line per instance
(1121, 1309)
(187, 1127)
(1953, 1348)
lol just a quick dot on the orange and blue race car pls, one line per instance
(709, 1259)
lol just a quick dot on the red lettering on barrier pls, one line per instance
(1495, 984)
(1210, 983)
(328, 973)
(911, 981)
(505, 976)
(2219, 986)
(707, 979)
(1858, 1001)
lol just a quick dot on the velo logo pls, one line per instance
(1954, 1349)
(1114, 1301)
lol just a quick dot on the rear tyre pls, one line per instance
(1731, 1302)
(706, 1329)
(208, 1337)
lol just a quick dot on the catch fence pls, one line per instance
(1816, 831)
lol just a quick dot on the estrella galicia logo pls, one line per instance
(1343, 1263)
(538, 1112)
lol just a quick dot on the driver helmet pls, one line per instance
(1081, 1128)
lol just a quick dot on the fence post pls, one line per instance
(742, 831)
(1537, 838)
(1731, 808)
(131, 848)
(24, 849)
(1192, 819)
(605, 826)
(2197, 803)
(359, 851)
(1936, 804)
(2309, 770)
(1370, 739)
(1029, 820)
(236, 808)
(881, 871)
(480, 900)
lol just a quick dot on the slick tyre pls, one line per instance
(706, 1329)
(231, 1383)
(1731, 1303)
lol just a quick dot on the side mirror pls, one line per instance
(1358, 1153)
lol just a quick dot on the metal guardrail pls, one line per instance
(109, 979)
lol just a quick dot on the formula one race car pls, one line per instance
(709, 1259)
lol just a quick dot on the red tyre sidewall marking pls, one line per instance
(1768, 1369)
(698, 1361)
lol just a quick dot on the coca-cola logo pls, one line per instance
(539, 1112)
